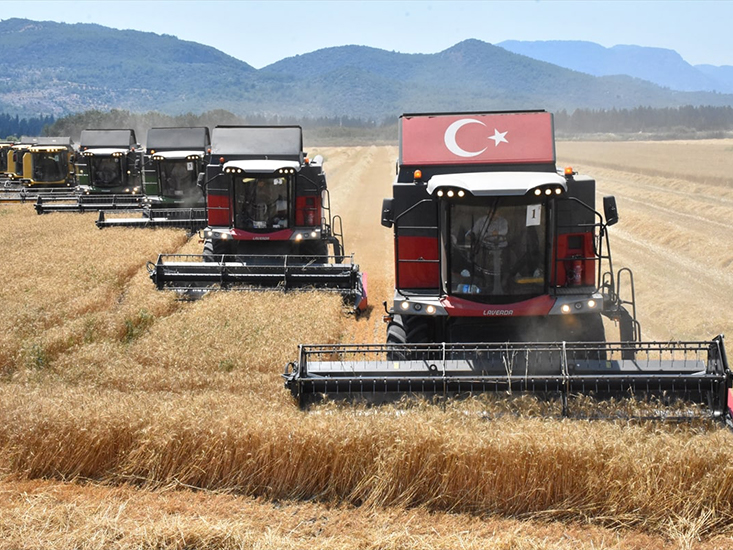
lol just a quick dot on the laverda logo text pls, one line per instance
(498, 312)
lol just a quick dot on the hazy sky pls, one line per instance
(261, 33)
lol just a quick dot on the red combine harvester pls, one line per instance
(269, 221)
(503, 275)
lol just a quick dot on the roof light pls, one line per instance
(417, 174)
(538, 192)
(450, 193)
(558, 191)
(461, 193)
(221, 160)
(569, 171)
(440, 193)
(548, 191)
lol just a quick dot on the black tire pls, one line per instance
(337, 251)
(314, 248)
(396, 335)
(208, 251)
(421, 330)
(411, 329)
(592, 331)
(213, 250)
(418, 329)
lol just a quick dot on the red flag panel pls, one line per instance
(491, 138)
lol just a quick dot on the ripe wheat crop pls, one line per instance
(110, 387)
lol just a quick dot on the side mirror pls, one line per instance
(609, 210)
(200, 180)
(387, 213)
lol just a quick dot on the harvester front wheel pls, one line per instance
(314, 248)
(213, 251)
(396, 335)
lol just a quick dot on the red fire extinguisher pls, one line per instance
(310, 217)
(575, 273)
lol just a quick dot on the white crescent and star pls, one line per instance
(450, 138)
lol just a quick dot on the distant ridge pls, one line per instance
(658, 65)
(55, 69)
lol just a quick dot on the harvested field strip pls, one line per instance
(675, 236)
(702, 161)
(87, 517)
(364, 176)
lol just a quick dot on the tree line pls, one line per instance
(12, 127)
(671, 121)
(646, 120)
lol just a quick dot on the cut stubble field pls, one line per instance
(131, 420)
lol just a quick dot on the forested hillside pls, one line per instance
(57, 69)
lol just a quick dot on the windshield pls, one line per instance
(261, 203)
(178, 178)
(18, 161)
(497, 249)
(50, 166)
(106, 171)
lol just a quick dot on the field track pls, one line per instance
(131, 420)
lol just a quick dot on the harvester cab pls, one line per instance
(5, 147)
(109, 162)
(503, 276)
(108, 173)
(174, 158)
(492, 244)
(269, 220)
(49, 163)
(175, 161)
(14, 158)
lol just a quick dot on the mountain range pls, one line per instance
(57, 68)
(658, 65)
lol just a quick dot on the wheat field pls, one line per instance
(129, 419)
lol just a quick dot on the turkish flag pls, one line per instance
(490, 138)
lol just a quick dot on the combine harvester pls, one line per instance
(269, 221)
(108, 169)
(175, 160)
(35, 166)
(503, 275)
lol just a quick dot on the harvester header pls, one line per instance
(477, 139)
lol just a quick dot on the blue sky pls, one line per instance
(261, 33)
